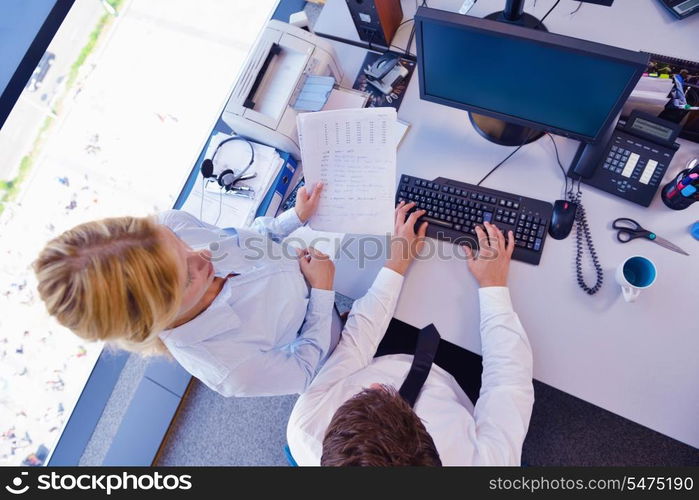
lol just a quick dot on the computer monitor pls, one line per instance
(531, 80)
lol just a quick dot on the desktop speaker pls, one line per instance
(376, 20)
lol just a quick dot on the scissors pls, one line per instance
(629, 229)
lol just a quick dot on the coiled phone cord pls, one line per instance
(582, 231)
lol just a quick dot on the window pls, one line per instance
(109, 124)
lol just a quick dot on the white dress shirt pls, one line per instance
(265, 333)
(492, 433)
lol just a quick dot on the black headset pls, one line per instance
(227, 178)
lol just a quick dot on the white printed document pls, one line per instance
(353, 153)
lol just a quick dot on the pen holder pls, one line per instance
(672, 197)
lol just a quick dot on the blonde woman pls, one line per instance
(230, 305)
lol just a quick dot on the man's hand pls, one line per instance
(405, 244)
(491, 266)
(317, 268)
(306, 205)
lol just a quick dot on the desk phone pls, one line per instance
(631, 160)
(681, 8)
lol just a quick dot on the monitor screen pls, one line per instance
(532, 78)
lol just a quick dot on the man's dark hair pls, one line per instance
(375, 428)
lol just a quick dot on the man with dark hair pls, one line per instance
(371, 413)
(352, 413)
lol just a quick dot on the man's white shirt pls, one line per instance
(491, 433)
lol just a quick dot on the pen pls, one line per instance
(687, 181)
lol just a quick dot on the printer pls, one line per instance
(261, 104)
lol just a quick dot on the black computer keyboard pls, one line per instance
(454, 209)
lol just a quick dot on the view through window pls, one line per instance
(110, 124)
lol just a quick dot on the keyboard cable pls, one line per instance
(512, 153)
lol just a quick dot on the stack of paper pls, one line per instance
(212, 204)
(353, 153)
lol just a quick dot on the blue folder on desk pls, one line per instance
(269, 206)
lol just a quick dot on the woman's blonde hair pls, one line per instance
(114, 280)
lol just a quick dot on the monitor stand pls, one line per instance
(499, 131)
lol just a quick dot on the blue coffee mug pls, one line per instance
(635, 274)
(639, 271)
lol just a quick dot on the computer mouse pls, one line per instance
(562, 219)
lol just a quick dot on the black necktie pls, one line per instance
(425, 351)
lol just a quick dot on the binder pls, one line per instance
(269, 206)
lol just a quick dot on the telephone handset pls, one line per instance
(628, 160)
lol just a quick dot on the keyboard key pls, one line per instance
(537, 244)
(487, 216)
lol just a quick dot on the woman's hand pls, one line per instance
(317, 268)
(491, 266)
(306, 205)
(405, 244)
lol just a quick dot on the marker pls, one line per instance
(673, 192)
(687, 181)
(688, 191)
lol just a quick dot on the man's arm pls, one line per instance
(366, 324)
(504, 406)
(365, 327)
(370, 315)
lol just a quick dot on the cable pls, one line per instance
(410, 40)
(506, 158)
(560, 165)
(580, 4)
(220, 204)
(412, 31)
(203, 190)
(582, 231)
(546, 15)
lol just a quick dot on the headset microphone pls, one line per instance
(227, 177)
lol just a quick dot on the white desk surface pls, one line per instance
(637, 360)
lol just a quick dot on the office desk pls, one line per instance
(637, 360)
